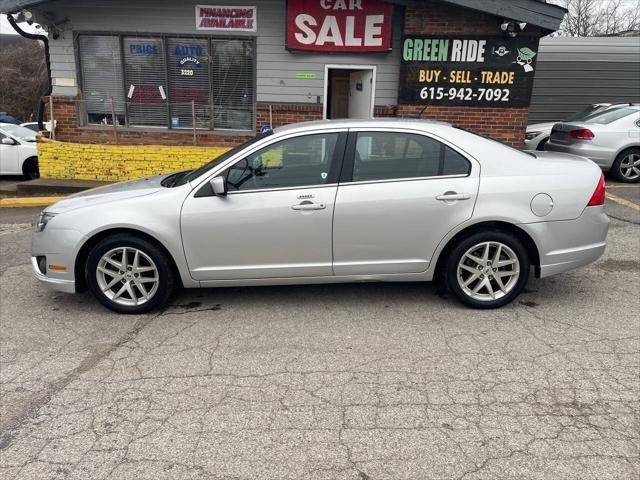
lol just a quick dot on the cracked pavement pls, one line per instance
(362, 381)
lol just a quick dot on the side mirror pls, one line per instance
(8, 141)
(219, 186)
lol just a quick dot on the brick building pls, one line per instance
(179, 73)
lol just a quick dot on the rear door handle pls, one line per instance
(309, 206)
(451, 196)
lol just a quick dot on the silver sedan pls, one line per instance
(330, 202)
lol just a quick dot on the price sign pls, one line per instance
(467, 70)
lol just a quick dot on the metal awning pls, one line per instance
(13, 6)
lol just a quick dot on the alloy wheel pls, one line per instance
(127, 276)
(488, 271)
(630, 166)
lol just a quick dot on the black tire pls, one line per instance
(30, 168)
(616, 170)
(542, 144)
(166, 275)
(459, 250)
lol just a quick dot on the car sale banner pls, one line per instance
(339, 25)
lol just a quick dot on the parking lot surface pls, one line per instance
(362, 382)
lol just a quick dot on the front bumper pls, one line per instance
(60, 247)
(565, 245)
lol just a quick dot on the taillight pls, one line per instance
(598, 195)
(582, 134)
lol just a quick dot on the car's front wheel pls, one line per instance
(487, 269)
(626, 167)
(128, 274)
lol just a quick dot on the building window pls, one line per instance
(164, 82)
(101, 54)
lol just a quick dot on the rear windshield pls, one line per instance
(585, 112)
(504, 144)
(610, 116)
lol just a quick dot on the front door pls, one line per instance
(400, 195)
(275, 221)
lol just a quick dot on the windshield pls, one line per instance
(610, 116)
(21, 133)
(585, 112)
(228, 154)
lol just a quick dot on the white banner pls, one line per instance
(226, 18)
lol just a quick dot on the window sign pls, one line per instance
(339, 25)
(467, 70)
(226, 18)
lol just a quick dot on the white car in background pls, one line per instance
(538, 134)
(18, 154)
(610, 138)
(34, 126)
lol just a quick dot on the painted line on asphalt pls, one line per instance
(20, 202)
(623, 201)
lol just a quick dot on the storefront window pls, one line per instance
(101, 54)
(166, 82)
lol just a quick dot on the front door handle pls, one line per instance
(452, 196)
(309, 206)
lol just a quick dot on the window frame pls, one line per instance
(81, 117)
(346, 176)
(337, 163)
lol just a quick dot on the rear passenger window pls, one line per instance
(391, 155)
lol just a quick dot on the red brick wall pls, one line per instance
(436, 18)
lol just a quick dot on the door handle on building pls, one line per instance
(452, 196)
(309, 206)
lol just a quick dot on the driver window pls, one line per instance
(294, 162)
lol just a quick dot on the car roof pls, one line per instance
(357, 123)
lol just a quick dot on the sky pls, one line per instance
(5, 27)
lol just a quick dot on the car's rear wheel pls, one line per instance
(626, 167)
(128, 274)
(487, 269)
(30, 168)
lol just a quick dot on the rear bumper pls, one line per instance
(603, 157)
(565, 245)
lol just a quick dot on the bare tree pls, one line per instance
(23, 78)
(587, 18)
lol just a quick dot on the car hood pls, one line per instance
(540, 127)
(109, 193)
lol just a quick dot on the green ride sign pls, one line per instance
(467, 70)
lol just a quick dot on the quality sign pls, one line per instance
(467, 70)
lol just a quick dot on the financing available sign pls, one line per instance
(467, 70)
(339, 25)
(226, 18)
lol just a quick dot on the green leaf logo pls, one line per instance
(526, 53)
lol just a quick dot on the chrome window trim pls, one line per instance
(406, 179)
(283, 189)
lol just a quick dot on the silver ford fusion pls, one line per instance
(330, 202)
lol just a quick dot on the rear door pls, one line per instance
(400, 193)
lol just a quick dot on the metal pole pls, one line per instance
(114, 121)
(51, 119)
(193, 120)
(270, 117)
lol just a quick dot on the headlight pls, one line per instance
(531, 135)
(43, 219)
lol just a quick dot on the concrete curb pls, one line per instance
(23, 202)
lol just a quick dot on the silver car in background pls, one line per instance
(330, 202)
(537, 134)
(610, 138)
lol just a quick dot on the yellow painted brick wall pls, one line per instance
(118, 162)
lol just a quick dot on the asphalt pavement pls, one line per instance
(362, 382)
